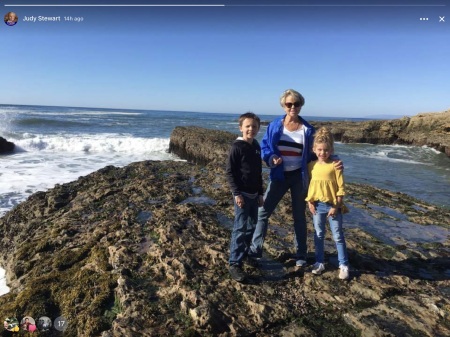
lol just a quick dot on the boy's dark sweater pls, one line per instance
(244, 167)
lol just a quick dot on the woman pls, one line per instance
(286, 149)
(10, 18)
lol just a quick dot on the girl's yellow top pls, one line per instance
(326, 183)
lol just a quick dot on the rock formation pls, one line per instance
(142, 251)
(5, 146)
(431, 129)
(200, 145)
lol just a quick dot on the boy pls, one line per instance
(244, 175)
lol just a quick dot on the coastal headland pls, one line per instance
(429, 129)
(142, 251)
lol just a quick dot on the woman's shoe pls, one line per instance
(318, 268)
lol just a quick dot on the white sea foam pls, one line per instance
(75, 112)
(431, 149)
(382, 155)
(4, 289)
(104, 143)
(88, 113)
(390, 153)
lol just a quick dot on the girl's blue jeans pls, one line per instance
(320, 219)
(244, 225)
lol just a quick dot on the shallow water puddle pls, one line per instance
(394, 232)
(143, 217)
(225, 221)
(389, 211)
(271, 269)
(197, 190)
(203, 200)
(198, 198)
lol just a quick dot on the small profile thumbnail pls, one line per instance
(11, 324)
(11, 18)
(44, 323)
(28, 324)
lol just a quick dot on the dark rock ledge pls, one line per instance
(5, 146)
(142, 251)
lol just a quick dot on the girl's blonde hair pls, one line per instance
(324, 136)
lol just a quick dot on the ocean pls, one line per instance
(56, 145)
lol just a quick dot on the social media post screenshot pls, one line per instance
(159, 168)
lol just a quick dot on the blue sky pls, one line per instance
(347, 61)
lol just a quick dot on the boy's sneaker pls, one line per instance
(300, 263)
(252, 261)
(237, 273)
(318, 268)
(254, 255)
(344, 273)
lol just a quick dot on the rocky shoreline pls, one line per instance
(142, 251)
(431, 129)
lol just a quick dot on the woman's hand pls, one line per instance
(277, 160)
(338, 165)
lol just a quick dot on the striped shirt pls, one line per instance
(291, 148)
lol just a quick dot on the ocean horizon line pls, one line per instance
(309, 117)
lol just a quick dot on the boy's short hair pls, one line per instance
(250, 115)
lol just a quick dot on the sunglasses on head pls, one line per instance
(289, 105)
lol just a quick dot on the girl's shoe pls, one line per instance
(344, 273)
(318, 268)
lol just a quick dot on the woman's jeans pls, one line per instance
(244, 225)
(320, 219)
(275, 191)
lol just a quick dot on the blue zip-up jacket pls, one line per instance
(269, 149)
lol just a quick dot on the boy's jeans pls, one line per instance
(320, 219)
(244, 225)
(275, 191)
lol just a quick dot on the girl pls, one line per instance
(325, 195)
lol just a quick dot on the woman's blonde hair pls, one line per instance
(324, 136)
(291, 92)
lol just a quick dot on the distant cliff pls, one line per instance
(430, 129)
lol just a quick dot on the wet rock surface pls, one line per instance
(142, 251)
